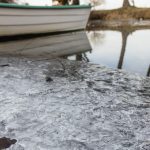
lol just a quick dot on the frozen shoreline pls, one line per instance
(67, 105)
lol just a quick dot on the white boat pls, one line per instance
(23, 19)
(49, 46)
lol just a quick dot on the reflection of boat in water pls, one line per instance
(48, 46)
(24, 19)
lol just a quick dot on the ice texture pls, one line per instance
(68, 105)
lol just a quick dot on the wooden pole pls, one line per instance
(126, 3)
(148, 72)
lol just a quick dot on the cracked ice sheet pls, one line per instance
(84, 107)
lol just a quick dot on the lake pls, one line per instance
(115, 49)
(131, 54)
(108, 49)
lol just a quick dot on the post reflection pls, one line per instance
(123, 49)
(148, 72)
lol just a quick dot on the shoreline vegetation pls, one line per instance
(124, 13)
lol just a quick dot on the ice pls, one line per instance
(84, 106)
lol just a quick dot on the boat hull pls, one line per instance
(15, 21)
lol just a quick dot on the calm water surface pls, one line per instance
(128, 51)
(131, 53)
(115, 49)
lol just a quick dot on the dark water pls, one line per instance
(115, 49)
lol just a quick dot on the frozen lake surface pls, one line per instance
(67, 105)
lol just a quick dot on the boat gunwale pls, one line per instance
(10, 5)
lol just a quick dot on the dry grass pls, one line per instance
(121, 13)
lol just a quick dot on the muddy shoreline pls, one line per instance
(121, 13)
(115, 24)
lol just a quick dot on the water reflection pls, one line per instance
(106, 48)
(123, 49)
(50, 46)
(127, 49)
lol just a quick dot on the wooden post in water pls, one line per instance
(79, 57)
(126, 3)
(148, 72)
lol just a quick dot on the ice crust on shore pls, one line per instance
(83, 106)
